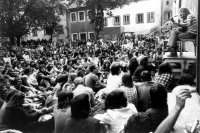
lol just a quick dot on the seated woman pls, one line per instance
(106, 66)
(165, 76)
(117, 111)
(129, 89)
(62, 111)
(133, 64)
(159, 107)
(15, 115)
(142, 67)
(187, 30)
(80, 121)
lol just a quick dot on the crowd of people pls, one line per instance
(74, 87)
(103, 86)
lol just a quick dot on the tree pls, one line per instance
(51, 24)
(19, 17)
(96, 11)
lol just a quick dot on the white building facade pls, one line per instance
(141, 17)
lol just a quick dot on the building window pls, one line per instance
(73, 17)
(91, 35)
(34, 32)
(88, 15)
(167, 2)
(126, 19)
(81, 16)
(60, 29)
(105, 21)
(150, 17)
(117, 20)
(74, 36)
(140, 18)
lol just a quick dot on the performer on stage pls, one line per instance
(187, 30)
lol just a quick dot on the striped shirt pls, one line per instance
(192, 28)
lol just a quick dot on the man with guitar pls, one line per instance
(187, 30)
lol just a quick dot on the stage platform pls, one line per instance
(181, 64)
(186, 55)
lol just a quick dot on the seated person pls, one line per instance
(91, 80)
(81, 89)
(142, 123)
(62, 111)
(80, 121)
(17, 117)
(142, 67)
(159, 107)
(165, 76)
(117, 111)
(139, 123)
(129, 89)
(187, 30)
(114, 79)
(143, 91)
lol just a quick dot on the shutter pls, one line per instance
(136, 18)
(148, 17)
(119, 21)
(113, 21)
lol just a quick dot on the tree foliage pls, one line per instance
(19, 17)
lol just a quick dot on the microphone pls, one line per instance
(172, 18)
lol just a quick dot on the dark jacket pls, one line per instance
(18, 118)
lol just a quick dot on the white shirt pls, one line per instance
(116, 118)
(113, 82)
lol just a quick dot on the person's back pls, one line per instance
(143, 96)
(82, 125)
(90, 80)
(80, 121)
(60, 116)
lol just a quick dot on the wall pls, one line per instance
(192, 5)
(83, 26)
(134, 8)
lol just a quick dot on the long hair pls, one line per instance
(80, 106)
(9, 94)
(64, 99)
(127, 81)
(16, 100)
(165, 67)
(158, 96)
(115, 100)
(133, 64)
(144, 61)
(185, 12)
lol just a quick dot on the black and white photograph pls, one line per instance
(99, 66)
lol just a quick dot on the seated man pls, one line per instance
(91, 80)
(143, 90)
(187, 30)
